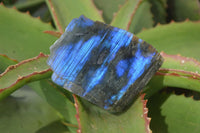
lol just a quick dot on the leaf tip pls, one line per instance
(42, 55)
(38, 17)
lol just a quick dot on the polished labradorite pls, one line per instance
(106, 65)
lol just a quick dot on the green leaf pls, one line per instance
(22, 36)
(158, 9)
(5, 61)
(108, 8)
(171, 113)
(183, 9)
(26, 112)
(173, 78)
(54, 95)
(96, 120)
(179, 62)
(175, 38)
(26, 71)
(125, 14)
(63, 11)
(133, 16)
(143, 18)
(22, 4)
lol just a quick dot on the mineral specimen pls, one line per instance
(106, 65)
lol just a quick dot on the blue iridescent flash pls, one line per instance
(106, 65)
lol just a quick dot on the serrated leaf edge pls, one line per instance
(77, 113)
(145, 114)
(11, 59)
(133, 14)
(55, 17)
(14, 86)
(22, 62)
(25, 13)
(181, 58)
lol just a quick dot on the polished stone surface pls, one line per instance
(106, 65)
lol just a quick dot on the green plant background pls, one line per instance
(30, 102)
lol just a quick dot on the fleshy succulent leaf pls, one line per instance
(63, 11)
(93, 119)
(129, 16)
(175, 38)
(16, 76)
(180, 10)
(174, 113)
(21, 33)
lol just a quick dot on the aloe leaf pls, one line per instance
(178, 71)
(158, 9)
(175, 38)
(171, 113)
(183, 9)
(124, 15)
(26, 71)
(37, 69)
(26, 112)
(22, 4)
(93, 119)
(179, 62)
(173, 78)
(61, 101)
(133, 16)
(108, 8)
(43, 13)
(63, 11)
(142, 19)
(5, 61)
(20, 33)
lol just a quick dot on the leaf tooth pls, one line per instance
(38, 17)
(187, 20)
(54, 33)
(119, 7)
(144, 29)
(27, 12)
(114, 14)
(183, 93)
(171, 22)
(99, 11)
(158, 24)
(14, 7)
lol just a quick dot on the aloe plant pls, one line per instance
(169, 103)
